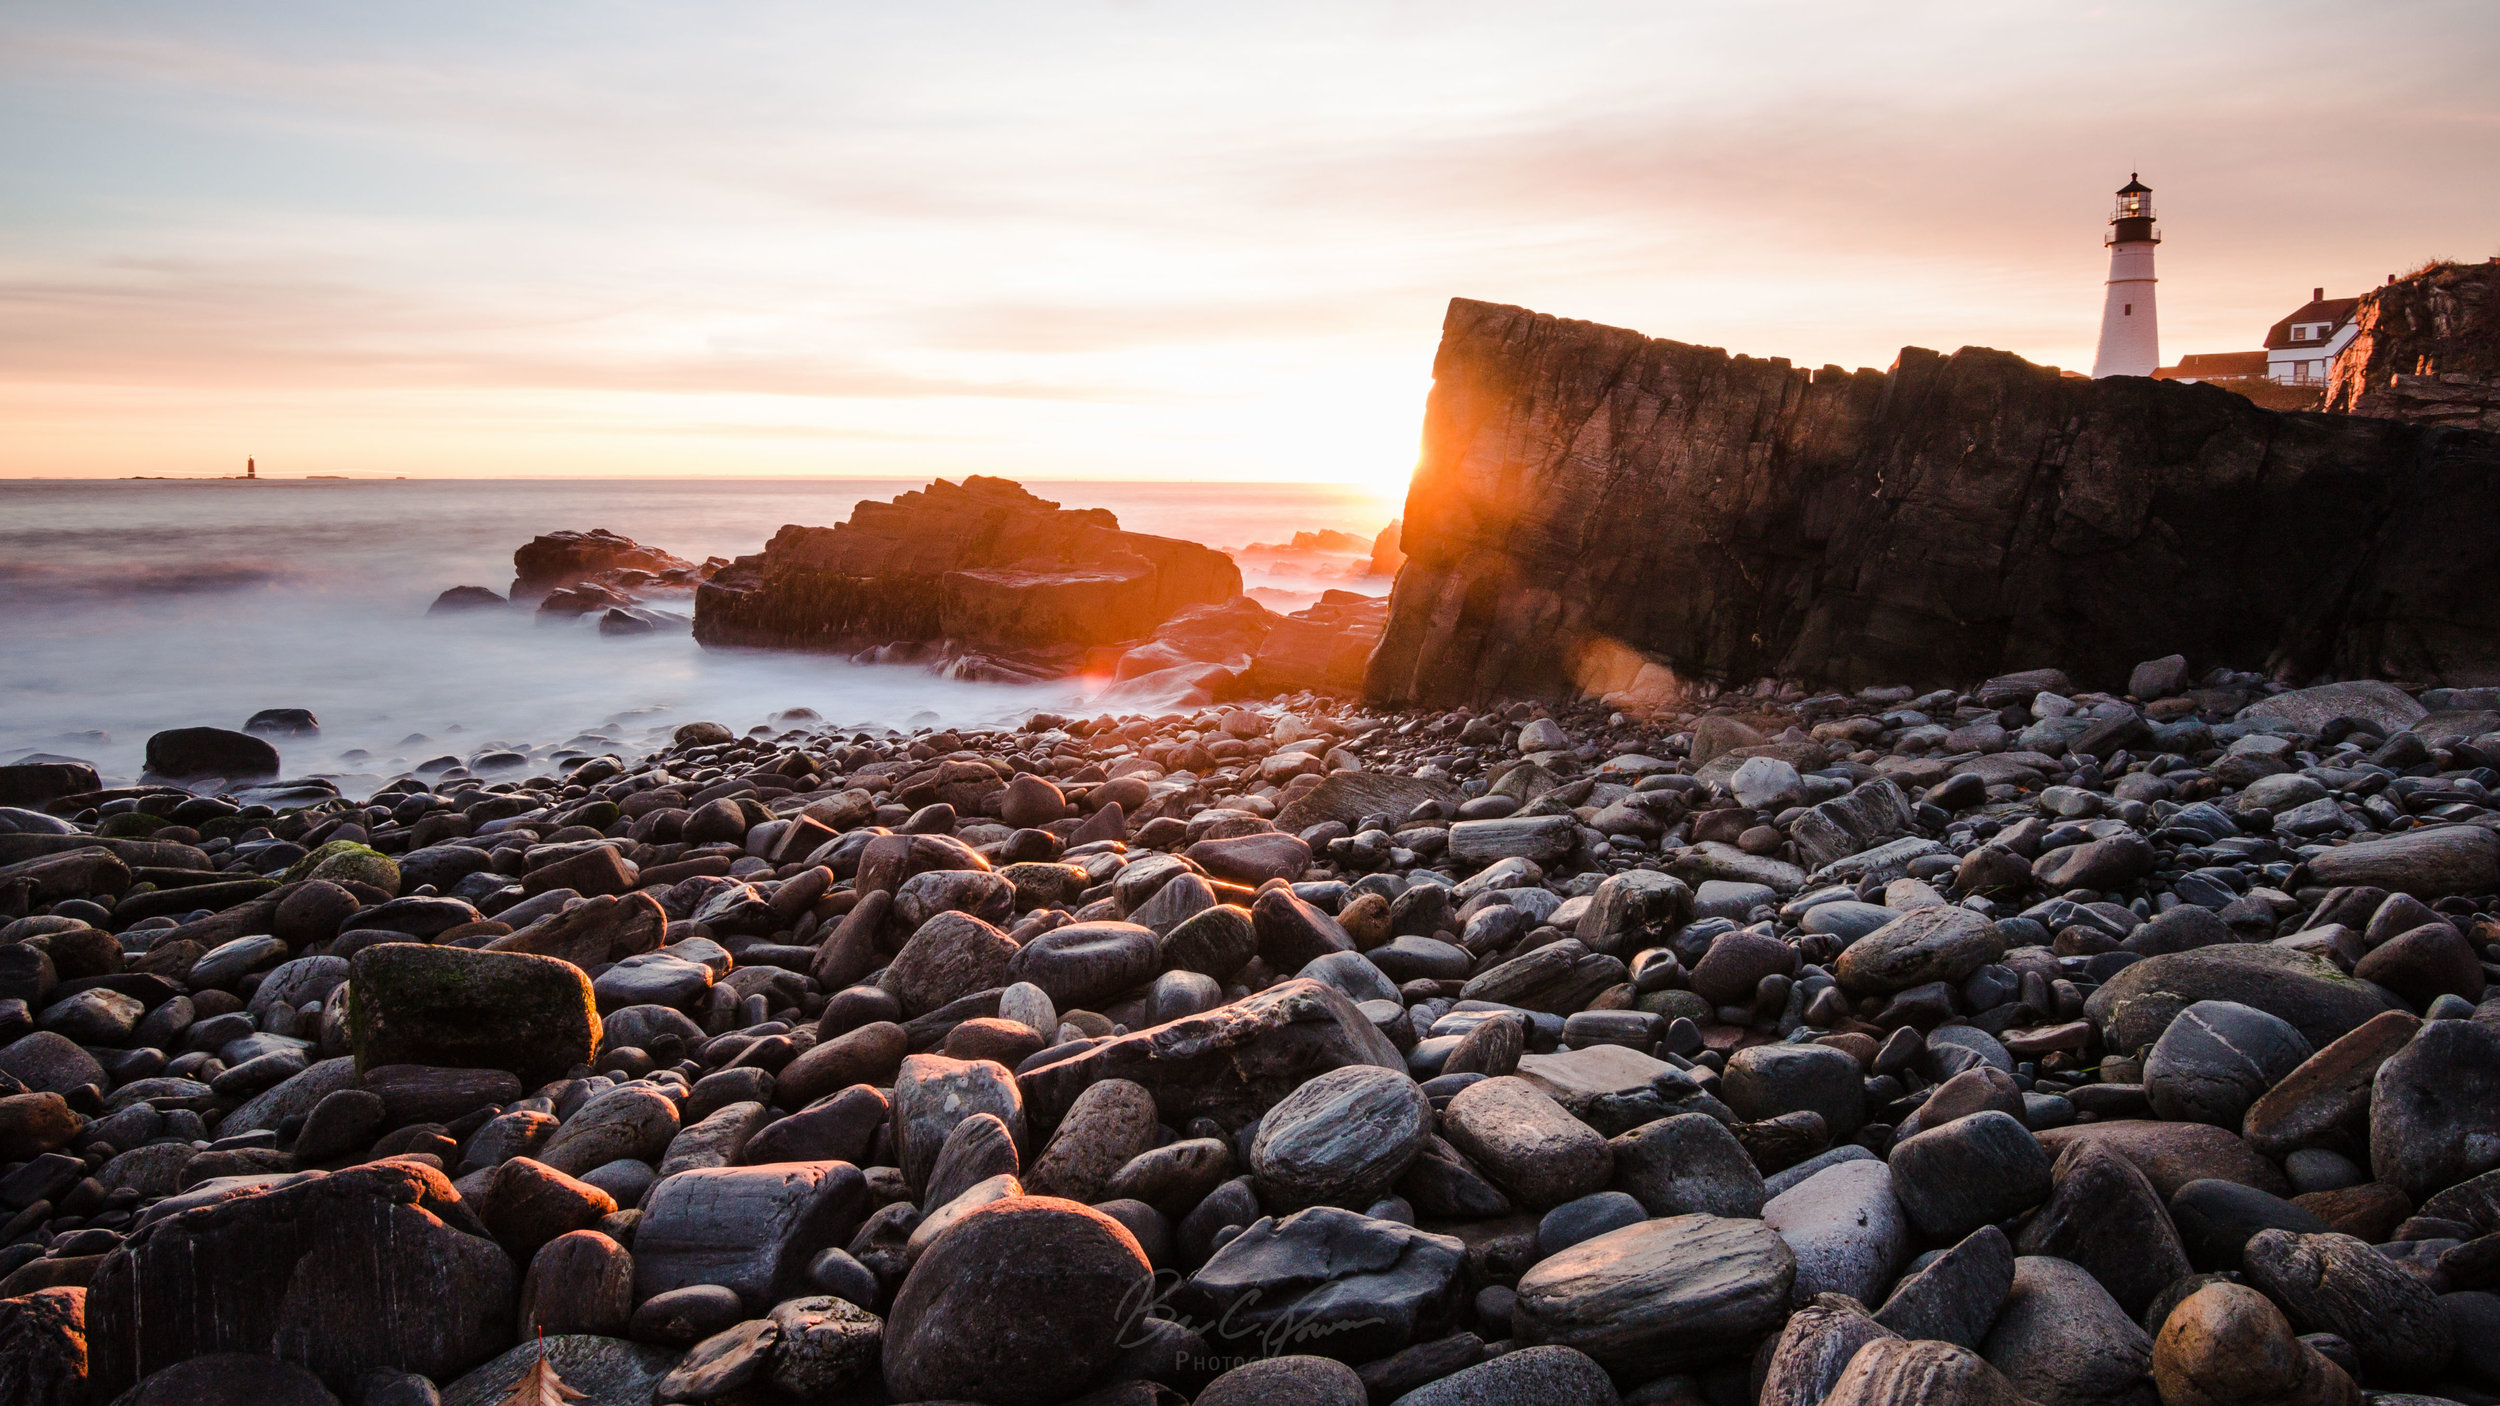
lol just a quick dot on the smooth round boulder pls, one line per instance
(1932, 944)
(1528, 1376)
(210, 751)
(1087, 964)
(1286, 1381)
(1528, 1144)
(230, 1379)
(2060, 1337)
(2216, 1059)
(1658, 1296)
(1766, 1081)
(1688, 1164)
(2227, 1344)
(1340, 1140)
(1015, 1302)
(1971, 1172)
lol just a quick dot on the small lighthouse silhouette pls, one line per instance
(2130, 340)
(251, 468)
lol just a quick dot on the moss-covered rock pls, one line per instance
(131, 825)
(410, 1003)
(340, 861)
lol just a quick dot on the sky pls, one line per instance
(1128, 238)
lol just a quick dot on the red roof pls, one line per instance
(2334, 312)
(2214, 366)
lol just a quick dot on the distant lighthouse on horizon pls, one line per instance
(2130, 336)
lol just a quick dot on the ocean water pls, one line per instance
(127, 607)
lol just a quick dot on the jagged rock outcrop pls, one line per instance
(1604, 513)
(2425, 349)
(982, 562)
(554, 561)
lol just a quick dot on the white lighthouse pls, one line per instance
(2130, 341)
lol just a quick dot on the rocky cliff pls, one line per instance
(982, 562)
(1601, 512)
(2427, 349)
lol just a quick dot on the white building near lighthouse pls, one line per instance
(2130, 339)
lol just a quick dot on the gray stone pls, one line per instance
(1969, 1173)
(1341, 1139)
(2135, 1006)
(1815, 1348)
(1956, 1296)
(1527, 1143)
(1931, 944)
(1328, 1281)
(1687, 1164)
(2216, 1058)
(1846, 1230)
(2063, 1341)
(752, 1230)
(2435, 1108)
(1532, 1376)
(1765, 1081)
(2337, 1284)
(1660, 1295)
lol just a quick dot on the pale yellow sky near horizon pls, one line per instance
(1127, 239)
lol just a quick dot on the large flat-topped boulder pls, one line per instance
(1599, 512)
(982, 562)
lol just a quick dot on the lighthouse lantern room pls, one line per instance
(2130, 336)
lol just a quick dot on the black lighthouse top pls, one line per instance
(2132, 223)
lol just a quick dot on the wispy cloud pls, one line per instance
(1130, 238)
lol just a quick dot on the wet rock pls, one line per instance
(1976, 1170)
(1550, 1376)
(2435, 1108)
(1955, 1298)
(2429, 862)
(1688, 1164)
(313, 1272)
(2172, 1154)
(410, 1003)
(601, 1368)
(2326, 1101)
(1293, 1380)
(2135, 1006)
(1087, 964)
(1326, 1281)
(1932, 944)
(1898, 1372)
(2216, 1220)
(1845, 1228)
(2105, 1216)
(1231, 1063)
(2227, 1344)
(1342, 1139)
(1660, 1295)
(2216, 1058)
(751, 1230)
(1014, 1302)
(949, 956)
(933, 1093)
(1769, 1080)
(1527, 1143)
(826, 1345)
(1815, 1348)
(580, 1282)
(210, 751)
(2063, 1341)
(1110, 1123)
(2337, 1284)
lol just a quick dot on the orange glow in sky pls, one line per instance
(1135, 238)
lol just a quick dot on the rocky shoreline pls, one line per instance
(2008, 1042)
